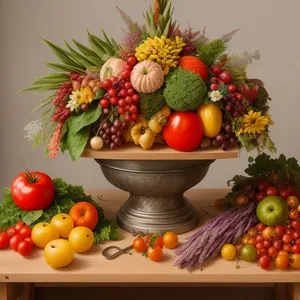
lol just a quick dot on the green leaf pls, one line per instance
(77, 142)
(31, 216)
(44, 87)
(76, 123)
(46, 102)
(65, 68)
(96, 61)
(51, 78)
(63, 55)
(85, 50)
(99, 94)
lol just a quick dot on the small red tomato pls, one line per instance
(133, 108)
(296, 235)
(294, 214)
(24, 248)
(296, 224)
(214, 86)
(104, 103)
(260, 196)
(252, 232)
(184, 131)
(263, 251)
(124, 93)
(265, 262)
(14, 241)
(114, 100)
(129, 99)
(29, 240)
(4, 240)
(225, 76)
(287, 247)
(284, 193)
(259, 246)
(297, 241)
(155, 253)
(267, 243)
(126, 74)
(231, 88)
(260, 227)
(25, 231)
(19, 226)
(139, 245)
(107, 84)
(277, 245)
(262, 185)
(272, 251)
(216, 70)
(131, 92)
(292, 201)
(128, 85)
(114, 78)
(279, 230)
(287, 238)
(239, 96)
(134, 117)
(136, 98)
(296, 248)
(259, 238)
(121, 110)
(112, 92)
(272, 191)
(128, 67)
(11, 231)
(131, 61)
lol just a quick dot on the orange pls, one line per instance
(194, 65)
(170, 240)
(84, 214)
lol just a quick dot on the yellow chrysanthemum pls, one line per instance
(87, 95)
(254, 123)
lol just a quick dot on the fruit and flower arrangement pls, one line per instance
(260, 220)
(160, 85)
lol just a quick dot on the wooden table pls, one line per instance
(92, 268)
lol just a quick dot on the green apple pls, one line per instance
(272, 211)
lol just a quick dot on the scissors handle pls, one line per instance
(109, 254)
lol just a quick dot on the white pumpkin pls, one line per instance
(113, 67)
(147, 77)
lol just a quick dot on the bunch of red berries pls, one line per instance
(121, 94)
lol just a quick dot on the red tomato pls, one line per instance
(296, 235)
(29, 240)
(4, 240)
(284, 193)
(262, 185)
(259, 238)
(265, 262)
(19, 226)
(296, 248)
(287, 238)
(272, 251)
(296, 224)
(11, 231)
(287, 247)
(279, 229)
(267, 243)
(277, 245)
(139, 245)
(260, 227)
(260, 196)
(25, 231)
(184, 131)
(24, 248)
(14, 241)
(155, 254)
(272, 191)
(32, 191)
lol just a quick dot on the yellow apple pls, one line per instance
(81, 239)
(63, 223)
(43, 233)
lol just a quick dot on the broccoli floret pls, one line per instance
(184, 90)
(150, 104)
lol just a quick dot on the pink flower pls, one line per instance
(55, 141)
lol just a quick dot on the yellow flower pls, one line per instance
(87, 95)
(254, 123)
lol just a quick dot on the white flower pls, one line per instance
(72, 104)
(215, 96)
(76, 95)
(32, 129)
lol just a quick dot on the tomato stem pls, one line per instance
(32, 178)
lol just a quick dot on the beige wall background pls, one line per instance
(273, 26)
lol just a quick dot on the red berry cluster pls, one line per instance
(61, 113)
(121, 94)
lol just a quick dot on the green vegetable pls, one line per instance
(184, 90)
(66, 196)
(150, 104)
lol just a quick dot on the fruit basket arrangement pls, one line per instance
(260, 219)
(161, 85)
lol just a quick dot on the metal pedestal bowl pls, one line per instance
(156, 202)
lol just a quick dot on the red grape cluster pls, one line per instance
(121, 94)
(112, 133)
(226, 139)
(61, 113)
(233, 105)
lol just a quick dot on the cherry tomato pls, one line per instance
(282, 252)
(279, 230)
(11, 231)
(104, 103)
(159, 242)
(215, 70)
(272, 191)
(277, 244)
(14, 241)
(155, 253)
(262, 185)
(281, 262)
(131, 92)
(139, 245)
(296, 248)
(259, 238)
(265, 262)
(252, 232)
(263, 251)
(184, 131)
(248, 253)
(292, 201)
(114, 78)
(107, 84)
(296, 224)
(288, 231)
(292, 189)
(268, 232)
(170, 240)
(231, 88)
(25, 231)
(260, 196)
(29, 240)
(128, 67)
(260, 227)
(295, 261)
(131, 61)
(214, 86)
(251, 241)
(296, 235)
(32, 191)
(126, 74)
(112, 92)
(24, 248)
(259, 246)
(19, 226)
(4, 240)
(284, 193)
(297, 241)
(272, 251)
(287, 247)
(239, 96)
(294, 214)
(267, 243)
(287, 238)
(225, 76)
